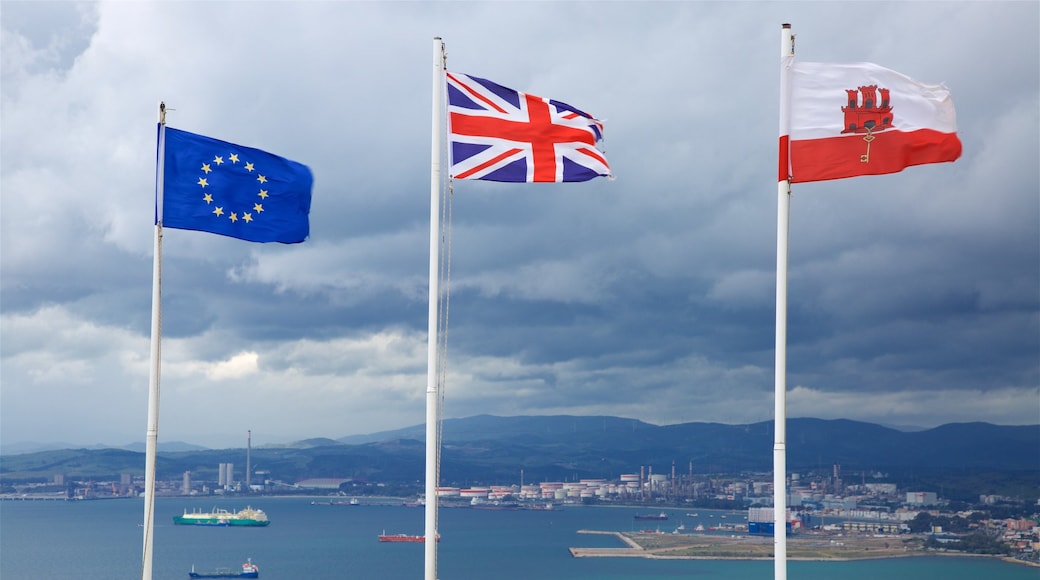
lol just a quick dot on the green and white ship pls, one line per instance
(222, 517)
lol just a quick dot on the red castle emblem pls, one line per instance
(867, 115)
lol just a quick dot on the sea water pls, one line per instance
(103, 539)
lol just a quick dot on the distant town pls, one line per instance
(821, 506)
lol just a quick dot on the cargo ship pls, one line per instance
(353, 501)
(385, 537)
(656, 517)
(222, 517)
(249, 570)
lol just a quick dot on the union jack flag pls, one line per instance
(498, 134)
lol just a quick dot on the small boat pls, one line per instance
(660, 516)
(385, 537)
(249, 570)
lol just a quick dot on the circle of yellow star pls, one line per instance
(209, 197)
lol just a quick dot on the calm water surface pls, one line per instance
(102, 540)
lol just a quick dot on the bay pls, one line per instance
(102, 540)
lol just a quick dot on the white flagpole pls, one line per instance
(152, 435)
(432, 393)
(783, 225)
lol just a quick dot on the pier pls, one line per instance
(36, 497)
(633, 551)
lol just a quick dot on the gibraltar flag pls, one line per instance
(862, 119)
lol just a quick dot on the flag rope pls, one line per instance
(444, 308)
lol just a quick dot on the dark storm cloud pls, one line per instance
(913, 297)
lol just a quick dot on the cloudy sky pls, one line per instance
(914, 297)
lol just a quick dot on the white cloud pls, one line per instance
(241, 365)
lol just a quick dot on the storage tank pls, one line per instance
(481, 492)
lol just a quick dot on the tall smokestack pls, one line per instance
(642, 482)
(249, 451)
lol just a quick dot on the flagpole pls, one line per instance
(783, 225)
(432, 393)
(152, 434)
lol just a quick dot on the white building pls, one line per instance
(921, 498)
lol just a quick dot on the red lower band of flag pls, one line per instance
(785, 158)
(884, 152)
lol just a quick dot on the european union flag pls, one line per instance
(223, 188)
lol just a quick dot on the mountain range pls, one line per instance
(490, 449)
